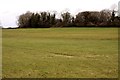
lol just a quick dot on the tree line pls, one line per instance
(104, 18)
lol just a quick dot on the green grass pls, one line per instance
(60, 53)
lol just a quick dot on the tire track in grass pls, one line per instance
(62, 54)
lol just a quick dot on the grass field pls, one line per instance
(60, 53)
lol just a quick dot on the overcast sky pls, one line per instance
(11, 9)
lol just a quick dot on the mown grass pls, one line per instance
(60, 53)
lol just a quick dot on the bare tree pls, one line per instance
(66, 18)
(23, 19)
(105, 15)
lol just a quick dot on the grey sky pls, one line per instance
(11, 9)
